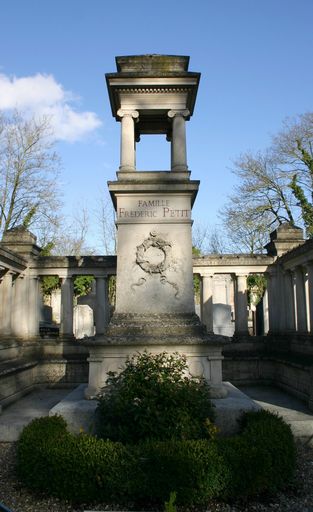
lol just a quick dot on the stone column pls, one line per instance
(102, 304)
(20, 313)
(265, 312)
(300, 300)
(66, 327)
(207, 302)
(178, 146)
(33, 306)
(273, 302)
(241, 306)
(128, 153)
(288, 321)
(310, 293)
(6, 303)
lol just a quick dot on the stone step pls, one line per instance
(17, 377)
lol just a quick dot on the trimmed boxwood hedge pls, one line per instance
(85, 469)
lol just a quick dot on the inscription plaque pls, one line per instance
(147, 209)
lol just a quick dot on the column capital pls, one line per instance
(128, 113)
(181, 113)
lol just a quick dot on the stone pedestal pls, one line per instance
(128, 334)
(154, 290)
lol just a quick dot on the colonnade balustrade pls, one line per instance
(224, 309)
(237, 302)
(287, 302)
(290, 292)
(21, 305)
(19, 312)
(101, 309)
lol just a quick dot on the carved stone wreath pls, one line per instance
(153, 241)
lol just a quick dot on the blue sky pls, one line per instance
(255, 57)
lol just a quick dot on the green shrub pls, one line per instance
(80, 468)
(154, 398)
(36, 451)
(193, 468)
(265, 428)
(85, 469)
(262, 458)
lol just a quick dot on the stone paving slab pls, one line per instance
(34, 405)
(41, 401)
(294, 411)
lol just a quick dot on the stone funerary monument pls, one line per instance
(154, 94)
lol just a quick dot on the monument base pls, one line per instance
(128, 334)
(79, 413)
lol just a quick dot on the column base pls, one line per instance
(126, 168)
(179, 168)
(241, 334)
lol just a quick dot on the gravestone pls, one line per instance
(83, 321)
(155, 310)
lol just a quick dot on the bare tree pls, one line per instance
(207, 239)
(274, 186)
(29, 166)
(105, 216)
(262, 200)
(70, 238)
(245, 234)
(293, 147)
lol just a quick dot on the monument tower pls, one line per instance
(154, 94)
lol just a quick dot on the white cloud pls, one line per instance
(41, 95)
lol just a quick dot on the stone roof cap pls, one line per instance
(152, 64)
(284, 238)
(18, 234)
(287, 231)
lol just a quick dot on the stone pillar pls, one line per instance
(20, 313)
(128, 153)
(207, 302)
(265, 312)
(241, 306)
(102, 304)
(300, 300)
(178, 146)
(33, 306)
(66, 327)
(310, 294)
(273, 302)
(288, 321)
(6, 304)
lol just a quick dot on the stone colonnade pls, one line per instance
(237, 300)
(290, 298)
(21, 303)
(287, 303)
(67, 300)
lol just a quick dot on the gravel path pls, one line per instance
(297, 498)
